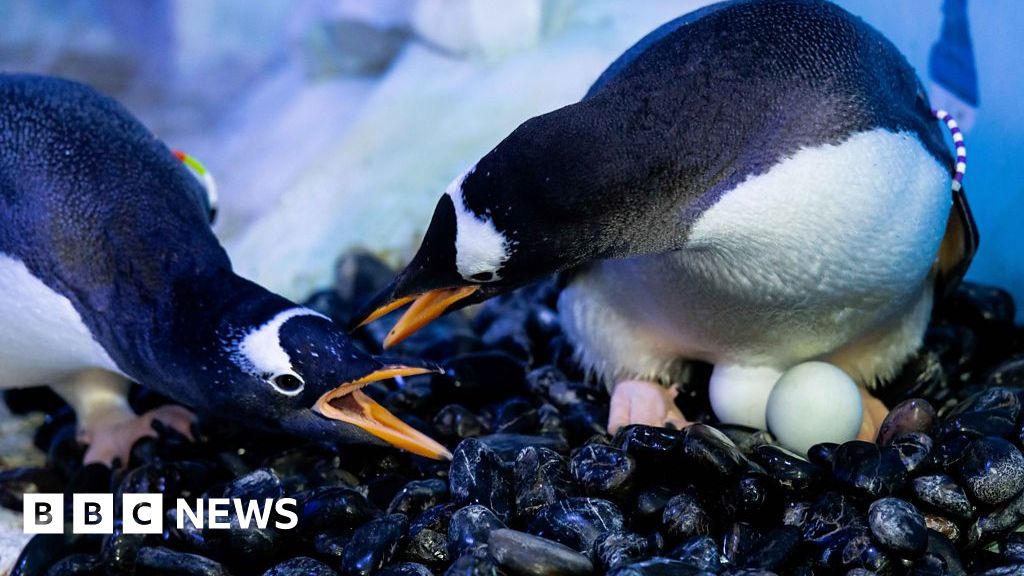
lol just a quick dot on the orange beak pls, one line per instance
(425, 309)
(347, 403)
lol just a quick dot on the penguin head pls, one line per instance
(551, 196)
(298, 372)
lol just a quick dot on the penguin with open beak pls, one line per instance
(756, 184)
(110, 273)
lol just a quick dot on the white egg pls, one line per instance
(811, 403)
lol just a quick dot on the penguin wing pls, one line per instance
(958, 246)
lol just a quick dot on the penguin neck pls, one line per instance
(192, 347)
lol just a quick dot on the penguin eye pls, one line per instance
(483, 276)
(288, 384)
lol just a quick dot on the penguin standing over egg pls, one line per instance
(110, 273)
(760, 184)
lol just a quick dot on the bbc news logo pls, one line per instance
(144, 513)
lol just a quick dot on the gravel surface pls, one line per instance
(537, 486)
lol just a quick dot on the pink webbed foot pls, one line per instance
(640, 402)
(874, 414)
(111, 439)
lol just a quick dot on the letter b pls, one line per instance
(43, 513)
(93, 514)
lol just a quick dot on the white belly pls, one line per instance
(830, 250)
(42, 337)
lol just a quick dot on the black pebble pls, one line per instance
(373, 545)
(478, 476)
(529, 555)
(158, 561)
(541, 478)
(685, 516)
(602, 471)
(898, 526)
(992, 469)
(868, 468)
(577, 522)
(469, 527)
(301, 566)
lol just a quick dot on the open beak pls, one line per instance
(347, 403)
(425, 309)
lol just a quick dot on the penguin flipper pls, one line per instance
(958, 247)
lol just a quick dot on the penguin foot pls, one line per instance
(110, 440)
(642, 402)
(874, 413)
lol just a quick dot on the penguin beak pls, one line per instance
(425, 308)
(347, 403)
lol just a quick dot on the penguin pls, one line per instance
(754, 185)
(110, 273)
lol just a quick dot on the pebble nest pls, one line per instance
(537, 486)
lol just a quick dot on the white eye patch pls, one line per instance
(260, 353)
(480, 249)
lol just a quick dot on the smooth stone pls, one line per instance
(618, 549)
(477, 561)
(508, 446)
(331, 546)
(995, 398)
(791, 471)
(750, 496)
(78, 565)
(868, 468)
(373, 545)
(418, 495)
(427, 539)
(997, 423)
(940, 492)
(997, 522)
(602, 471)
(658, 567)
(913, 449)
(911, 415)
(738, 540)
(898, 526)
(992, 470)
(405, 569)
(577, 522)
(335, 508)
(516, 416)
(711, 455)
(542, 477)
(529, 555)
(457, 421)
(469, 527)
(1012, 547)
(822, 454)
(831, 513)
(303, 566)
(649, 505)
(685, 516)
(775, 549)
(159, 561)
(813, 402)
(478, 476)
(701, 552)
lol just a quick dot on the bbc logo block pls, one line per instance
(143, 513)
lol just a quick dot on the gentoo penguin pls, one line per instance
(109, 272)
(755, 184)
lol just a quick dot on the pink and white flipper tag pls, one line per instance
(961, 148)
